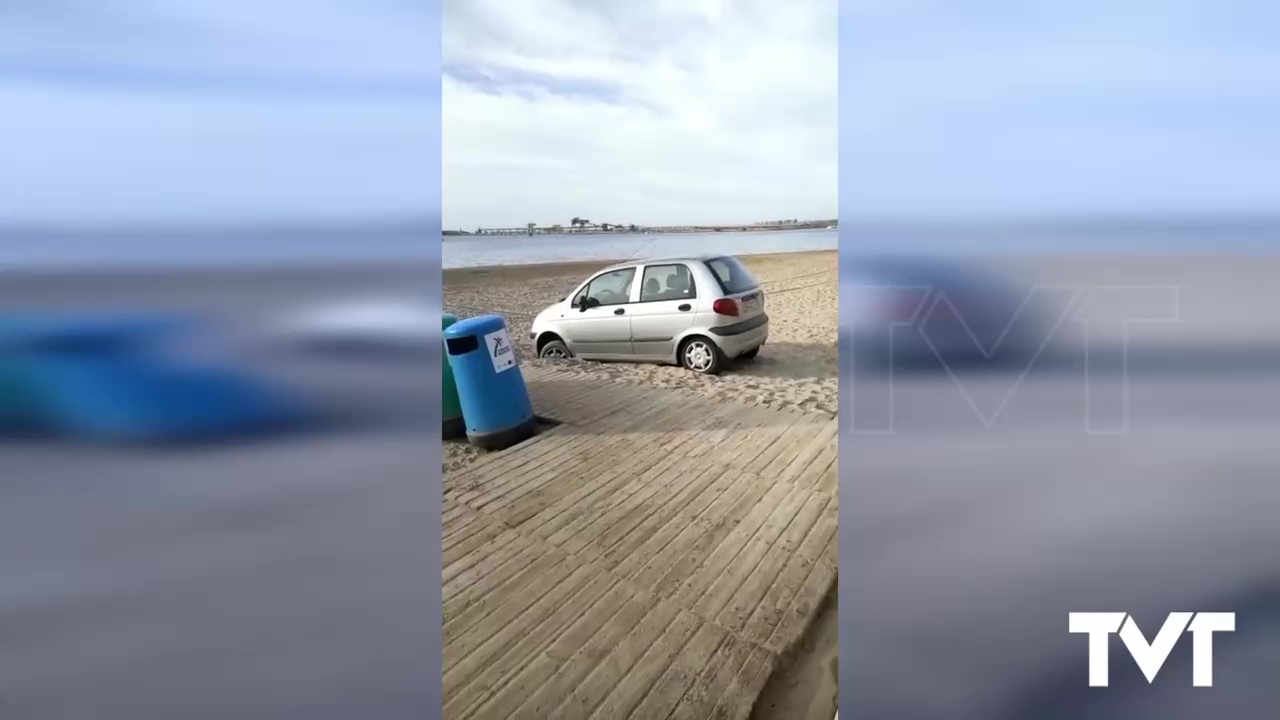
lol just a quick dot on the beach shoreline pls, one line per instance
(458, 273)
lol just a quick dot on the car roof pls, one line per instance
(665, 260)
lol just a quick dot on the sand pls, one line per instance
(807, 684)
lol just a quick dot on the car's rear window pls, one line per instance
(732, 276)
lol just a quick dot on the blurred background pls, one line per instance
(219, 283)
(1060, 367)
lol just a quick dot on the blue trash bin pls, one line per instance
(495, 402)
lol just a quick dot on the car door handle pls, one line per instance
(619, 311)
(685, 307)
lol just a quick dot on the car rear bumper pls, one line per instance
(740, 337)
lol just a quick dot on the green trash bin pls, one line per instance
(455, 427)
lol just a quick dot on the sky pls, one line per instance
(1002, 108)
(197, 112)
(654, 113)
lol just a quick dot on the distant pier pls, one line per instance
(621, 229)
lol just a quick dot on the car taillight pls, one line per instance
(725, 306)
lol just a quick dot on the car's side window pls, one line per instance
(667, 282)
(611, 288)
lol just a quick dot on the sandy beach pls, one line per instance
(797, 368)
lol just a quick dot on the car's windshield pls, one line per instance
(733, 277)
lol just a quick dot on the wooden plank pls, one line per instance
(626, 694)
(660, 527)
(804, 607)
(501, 491)
(796, 564)
(570, 514)
(731, 433)
(778, 436)
(483, 619)
(459, 577)
(777, 548)
(460, 487)
(627, 557)
(555, 479)
(670, 570)
(740, 697)
(461, 564)
(760, 424)
(531, 693)
(566, 516)
(462, 522)
(498, 646)
(452, 511)
(471, 604)
(829, 479)
(490, 680)
(610, 476)
(683, 671)
(613, 522)
(482, 532)
(812, 431)
(571, 670)
(714, 563)
(739, 564)
(816, 473)
(810, 453)
(714, 680)
(614, 665)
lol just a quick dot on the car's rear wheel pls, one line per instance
(701, 356)
(554, 350)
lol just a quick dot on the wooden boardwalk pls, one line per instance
(652, 557)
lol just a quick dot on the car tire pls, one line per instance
(701, 356)
(750, 354)
(554, 350)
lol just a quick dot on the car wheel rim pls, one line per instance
(554, 353)
(698, 357)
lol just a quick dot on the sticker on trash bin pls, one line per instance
(500, 350)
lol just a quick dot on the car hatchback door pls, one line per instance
(598, 324)
(665, 309)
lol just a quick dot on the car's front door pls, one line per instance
(598, 324)
(666, 308)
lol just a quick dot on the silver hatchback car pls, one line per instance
(699, 312)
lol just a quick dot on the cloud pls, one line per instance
(196, 111)
(649, 113)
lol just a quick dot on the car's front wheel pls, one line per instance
(554, 350)
(701, 356)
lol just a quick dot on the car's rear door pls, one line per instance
(664, 309)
